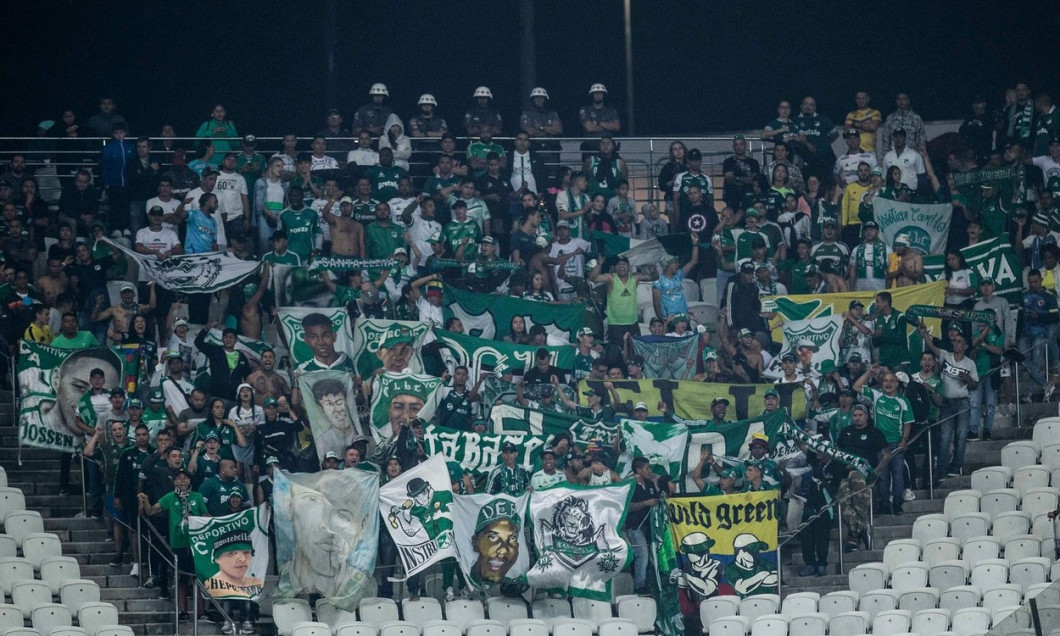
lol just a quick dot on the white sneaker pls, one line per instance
(908, 495)
(135, 571)
(450, 594)
(229, 628)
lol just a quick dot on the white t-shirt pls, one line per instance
(397, 208)
(522, 173)
(846, 167)
(421, 230)
(952, 388)
(909, 162)
(363, 157)
(1050, 169)
(961, 279)
(162, 240)
(575, 265)
(230, 189)
(168, 207)
(322, 163)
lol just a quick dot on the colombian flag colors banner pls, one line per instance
(726, 544)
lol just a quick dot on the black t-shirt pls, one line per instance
(864, 442)
(536, 376)
(90, 276)
(525, 244)
(489, 185)
(734, 193)
(641, 492)
(276, 439)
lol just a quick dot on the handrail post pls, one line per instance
(839, 529)
(195, 610)
(931, 465)
(139, 550)
(84, 486)
(176, 593)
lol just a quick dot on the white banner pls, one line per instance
(416, 510)
(330, 402)
(822, 333)
(489, 530)
(192, 273)
(663, 444)
(926, 224)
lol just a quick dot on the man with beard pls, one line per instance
(425, 123)
(266, 381)
(814, 135)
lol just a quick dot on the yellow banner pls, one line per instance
(727, 544)
(691, 400)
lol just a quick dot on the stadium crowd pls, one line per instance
(800, 224)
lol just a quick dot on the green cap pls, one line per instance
(397, 335)
(728, 473)
(232, 542)
(495, 511)
(771, 393)
(136, 403)
(271, 401)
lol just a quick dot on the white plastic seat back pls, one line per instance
(49, 616)
(19, 525)
(10, 617)
(57, 570)
(891, 623)
(641, 610)
(990, 478)
(930, 621)
(14, 569)
(571, 627)
(989, 573)
(799, 604)
(11, 500)
(928, 527)
(1030, 477)
(75, 594)
(1050, 457)
(1016, 455)
(486, 627)
(617, 627)
(421, 611)
(39, 546)
(1002, 596)
(878, 601)
(1046, 431)
(3, 476)
(971, 620)
(591, 611)
(1040, 501)
(909, 576)
(378, 611)
(866, 578)
(917, 599)
(27, 595)
(399, 628)
(8, 548)
(1022, 547)
(717, 607)
(849, 624)
(440, 628)
(550, 609)
(759, 605)
(815, 624)
(997, 501)
(1029, 571)
(114, 630)
(333, 616)
(961, 502)
(959, 596)
(311, 628)
(770, 625)
(75, 631)
(527, 627)
(356, 628)
(463, 611)
(939, 550)
(900, 551)
(506, 609)
(1012, 524)
(970, 525)
(93, 616)
(980, 548)
(730, 626)
(286, 613)
(835, 603)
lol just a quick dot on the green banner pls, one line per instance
(370, 335)
(993, 258)
(480, 355)
(663, 572)
(343, 264)
(926, 225)
(729, 440)
(480, 454)
(397, 397)
(291, 320)
(480, 265)
(231, 553)
(692, 400)
(490, 316)
(661, 442)
(514, 419)
(948, 313)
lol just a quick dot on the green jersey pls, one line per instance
(583, 364)
(837, 253)
(838, 421)
(381, 241)
(893, 342)
(932, 384)
(479, 150)
(743, 244)
(345, 295)
(108, 454)
(684, 181)
(433, 188)
(870, 260)
(455, 232)
(476, 211)
(727, 239)
(605, 184)
(302, 227)
(81, 340)
(178, 509)
(510, 481)
(217, 492)
(385, 181)
(226, 433)
(364, 211)
(287, 258)
(797, 270)
(891, 413)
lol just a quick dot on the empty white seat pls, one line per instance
(617, 627)
(486, 627)
(1029, 571)
(7, 546)
(892, 622)
(422, 610)
(948, 574)
(989, 573)
(311, 628)
(971, 620)
(815, 624)
(288, 612)
(13, 569)
(641, 610)
(10, 616)
(11, 500)
(839, 602)
(462, 612)
(1020, 618)
(570, 627)
(878, 601)
(770, 625)
(991, 478)
(377, 611)
(21, 631)
(979, 548)
(114, 630)
(438, 627)
(74, 594)
(621, 585)
(941, 549)
(1011, 524)
(49, 616)
(72, 631)
(1030, 477)
(591, 611)
(759, 605)
(27, 595)
(972, 524)
(22, 523)
(57, 570)
(900, 551)
(909, 576)
(1046, 431)
(717, 607)
(917, 599)
(550, 609)
(928, 527)
(527, 627)
(1000, 500)
(1016, 455)
(1022, 547)
(930, 621)
(799, 604)
(506, 609)
(961, 502)
(867, 577)
(333, 616)
(1050, 457)
(356, 628)
(1034, 590)
(849, 624)
(398, 628)
(39, 546)
(730, 626)
(94, 616)
(959, 596)
(1040, 501)
(1002, 596)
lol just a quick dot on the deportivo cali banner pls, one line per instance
(417, 393)
(927, 225)
(727, 544)
(691, 400)
(480, 454)
(291, 324)
(823, 332)
(232, 552)
(192, 273)
(482, 355)
(370, 335)
(416, 507)
(994, 258)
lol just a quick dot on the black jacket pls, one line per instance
(223, 381)
(865, 443)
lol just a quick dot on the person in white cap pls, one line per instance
(599, 118)
(538, 119)
(372, 117)
(482, 115)
(905, 265)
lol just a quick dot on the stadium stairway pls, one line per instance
(978, 454)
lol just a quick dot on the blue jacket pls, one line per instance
(116, 156)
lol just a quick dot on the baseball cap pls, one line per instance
(727, 473)
(590, 392)
(212, 435)
(509, 448)
(877, 172)
(173, 354)
(870, 225)
(830, 221)
(747, 267)
(117, 391)
(271, 459)
(250, 140)
(855, 357)
(987, 281)
(136, 403)
(788, 357)
(346, 200)
(156, 210)
(811, 270)
(719, 400)
(771, 393)
(752, 212)
(157, 396)
(744, 332)
(851, 132)
(331, 455)
(488, 240)
(563, 223)
(401, 250)
(436, 237)
(856, 303)
(271, 401)
(585, 331)
(902, 239)
(847, 392)
(759, 438)
(640, 406)
(125, 288)
(695, 155)
(806, 343)
(180, 322)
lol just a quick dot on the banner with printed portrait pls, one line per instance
(668, 357)
(726, 545)
(926, 225)
(330, 402)
(232, 553)
(490, 316)
(811, 341)
(578, 535)
(488, 530)
(398, 397)
(371, 335)
(417, 511)
(52, 383)
(993, 258)
(481, 355)
(326, 537)
(291, 322)
(692, 400)
(480, 454)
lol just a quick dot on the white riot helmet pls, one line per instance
(483, 91)
(597, 88)
(539, 92)
(379, 89)
(427, 98)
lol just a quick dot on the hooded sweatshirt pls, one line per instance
(400, 144)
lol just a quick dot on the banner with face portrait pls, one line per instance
(232, 553)
(417, 512)
(488, 531)
(340, 339)
(399, 337)
(326, 537)
(51, 383)
(330, 402)
(727, 544)
(480, 454)
(400, 397)
(578, 535)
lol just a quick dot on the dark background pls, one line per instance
(699, 66)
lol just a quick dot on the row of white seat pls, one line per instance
(28, 594)
(377, 611)
(971, 620)
(1034, 501)
(106, 630)
(935, 551)
(20, 524)
(977, 524)
(478, 627)
(915, 575)
(53, 571)
(1022, 479)
(94, 619)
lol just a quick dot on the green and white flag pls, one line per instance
(192, 273)
(664, 572)
(666, 357)
(231, 553)
(578, 535)
(662, 443)
(728, 442)
(369, 335)
(291, 323)
(823, 333)
(513, 419)
(488, 531)
(481, 355)
(417, 394)
(994, 258)
(51, 382)
(926, 224)
(417, 510)
(330, 402)
(327, 536)
(343, 264)
(297, 286)
(651, 251)
(790, 431)
(249, 346)
(480, 454)
(490, 316)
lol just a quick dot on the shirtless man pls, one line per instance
(267, 382)
(347, 233)
(53, 283)
(250, 316)
(909, 269)
(121, 315)
(746, 354)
